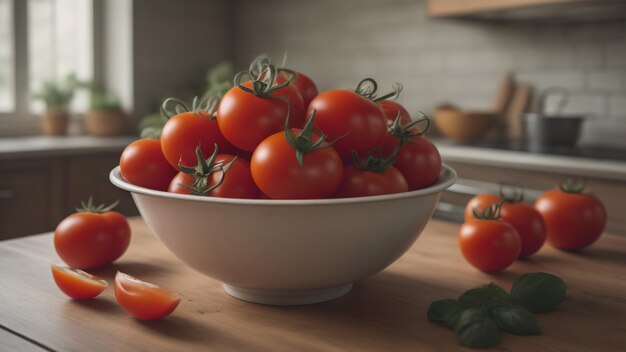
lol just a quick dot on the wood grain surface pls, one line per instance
(383, 313)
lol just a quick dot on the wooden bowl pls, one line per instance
(464, 126)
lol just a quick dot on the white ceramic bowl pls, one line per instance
(287, 252)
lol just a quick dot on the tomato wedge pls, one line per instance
(77, 283)
(143, 300)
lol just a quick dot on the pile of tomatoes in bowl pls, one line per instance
(273, 136)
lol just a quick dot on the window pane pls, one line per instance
(7, 86)
(60, 43)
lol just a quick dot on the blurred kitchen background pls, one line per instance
(521, 92)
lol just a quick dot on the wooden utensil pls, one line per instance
(515, 111)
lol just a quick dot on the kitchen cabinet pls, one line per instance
(43, 180)
(386, 312)
(530, 10)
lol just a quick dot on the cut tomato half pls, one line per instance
(77, 283)
(143, 300)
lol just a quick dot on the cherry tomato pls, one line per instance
(364, 183)
(524, 218)
(489, 245)
(246, 119)
(77, 283)
(418, 160)
(359, 122)
(143, 300)
(143, 164)
(391, 110)
(91, 240)
(276, 171)
(182, 133)
(573, 220)
(304, 84)
(237, 181)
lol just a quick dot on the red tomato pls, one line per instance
(143, 164)
(418, 160)
(184, 132)
(237, 181)
(359, 121)
(77, 283)
(489, 245)
(391, 109)
(364, 183)
(574, 220)
(304, 84)
(90, 240)
(276, 171)
(246, 119)
(524, 218)
(143, 300)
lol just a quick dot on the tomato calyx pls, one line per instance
(263, 77)
(205, 107)
(203, 169)
(373, 163)
(574, 185)
(367, 88)
(491, 212)
(303, 143)
(406, 131)
(90, 207)
(261, 62)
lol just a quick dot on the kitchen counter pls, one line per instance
(386, 312)
(604, 164)
(43, 146)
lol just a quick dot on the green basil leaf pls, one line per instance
(485, 296)
(539, 292)
(516, 320)
(445, 311)
(476, 329)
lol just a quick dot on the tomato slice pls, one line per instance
(77, 283)
(143, 300)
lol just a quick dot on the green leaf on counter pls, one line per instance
(445, 311)
(539, 292)
(476, 329)
(489, 296)
(515, 320)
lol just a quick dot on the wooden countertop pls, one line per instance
(386, 312)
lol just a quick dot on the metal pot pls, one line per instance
(557, 129)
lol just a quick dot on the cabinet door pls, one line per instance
(89, 176)
(30, 197)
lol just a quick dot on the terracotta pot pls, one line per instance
(54, 122)
(105, 122)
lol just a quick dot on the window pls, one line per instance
(43, 40)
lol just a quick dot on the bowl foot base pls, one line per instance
(287, 297)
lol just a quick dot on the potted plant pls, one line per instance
(105, 116)
(57, 97)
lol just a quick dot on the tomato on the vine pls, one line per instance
(305, 85)
(297, 164)
(371, 176)
(142, 163)
(188, 128)
(228, 176)
(351, 120)
(489, 244)
(574, 220)
(253, 110)
(76, 283)
(143, 300)
(524, 218)
(93, 237)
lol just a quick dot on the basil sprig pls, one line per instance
(481, 313)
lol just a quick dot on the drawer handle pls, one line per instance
(6, 194)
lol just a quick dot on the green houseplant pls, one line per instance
(105, 116)
(57, 97)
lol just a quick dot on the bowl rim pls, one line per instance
(447, 178)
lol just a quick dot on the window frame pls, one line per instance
(21, 120)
